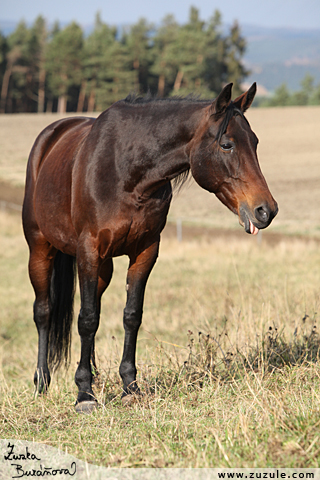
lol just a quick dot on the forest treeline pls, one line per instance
(308, 94)
(62, 69)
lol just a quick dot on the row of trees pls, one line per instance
(62, 69)
(309, 94)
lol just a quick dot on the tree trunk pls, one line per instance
(41, 90)
(136, 66)
(49, 106)
(82, 96)
(91, 101)
(5, 87)
(178, 80)
(161, 85)
(62, 104)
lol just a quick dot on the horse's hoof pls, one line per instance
(86, 407)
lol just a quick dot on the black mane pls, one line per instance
(134, 98)
(231, 111)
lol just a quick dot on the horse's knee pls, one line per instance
(41, 311)
(88, 322)
(132, 318)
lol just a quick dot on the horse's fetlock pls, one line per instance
(83, 376)
(127, 370)
(41, 380)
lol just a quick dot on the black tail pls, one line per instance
(61, 297)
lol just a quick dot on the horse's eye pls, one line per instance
(227, 147)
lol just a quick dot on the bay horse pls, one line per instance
(101, 188)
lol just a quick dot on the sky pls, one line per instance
(303, 14)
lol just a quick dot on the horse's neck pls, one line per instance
(173, 153)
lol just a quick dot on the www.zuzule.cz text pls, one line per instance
(277, 474)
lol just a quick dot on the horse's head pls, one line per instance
(224, 161)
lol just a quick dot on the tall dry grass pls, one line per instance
(242, 393)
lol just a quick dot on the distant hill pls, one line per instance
(278, 55)
(274, 55)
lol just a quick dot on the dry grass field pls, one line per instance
(245, 392)
(246, 396)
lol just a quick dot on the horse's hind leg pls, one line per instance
(138, 274)
(40, 272)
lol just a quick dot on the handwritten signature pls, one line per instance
(41, 471)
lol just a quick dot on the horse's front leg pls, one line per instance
(88, 322)
(138, 273)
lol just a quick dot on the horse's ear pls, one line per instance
(245, 100)
(222, 101)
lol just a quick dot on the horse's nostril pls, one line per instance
(262, 213)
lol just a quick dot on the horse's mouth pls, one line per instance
(251, 228)
(248, 225)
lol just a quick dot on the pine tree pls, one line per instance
(117, 79)
(138, 43)
(15, 72)
(3, 62)
(188, 54)
(64, 62)
(236, 46)
(37, 67)
(162, 67)
(281, 96)
(304, 95)
(215, 69)
(96, 47)
(108, 72)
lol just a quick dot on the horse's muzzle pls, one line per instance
(259, 218)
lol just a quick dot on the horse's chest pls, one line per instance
(148, 219)
(139, 223)
(155, 209)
